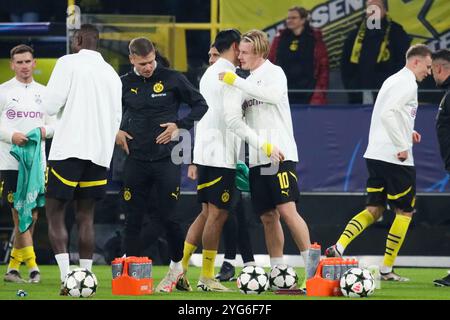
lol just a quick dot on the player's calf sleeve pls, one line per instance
(395, 238)
(354, 228)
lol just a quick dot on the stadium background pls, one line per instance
(331, 169)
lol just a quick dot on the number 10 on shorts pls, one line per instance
(284, 180)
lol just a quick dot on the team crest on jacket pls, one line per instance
(127, 194)
(158, 87)
(294, 45)
(225, 196)
(10, 197)
(37, 99)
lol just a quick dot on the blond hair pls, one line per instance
(259, 40)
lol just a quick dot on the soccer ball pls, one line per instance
(81, 283)
(357, 282)
(282, 277)
(252, 280)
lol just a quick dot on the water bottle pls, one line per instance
(328, 270)
(117, 267)
(339, 268)
(313, 260)
(135, 270)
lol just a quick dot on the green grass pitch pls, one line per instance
(420, 287)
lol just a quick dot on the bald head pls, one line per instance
(85, 38)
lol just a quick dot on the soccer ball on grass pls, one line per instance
(81, 283)
(252, 280)
(282, 277)
(357, 283)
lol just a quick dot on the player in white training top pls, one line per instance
(86, 94)
(268, 130)
(21, 111)
(389, 159)
(215, 154)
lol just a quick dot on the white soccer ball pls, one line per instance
(81, 283)
(357, 283)
(252, 280)
(282, 277)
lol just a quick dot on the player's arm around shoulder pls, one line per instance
(270, 89)
(233, 116)
(232, 110)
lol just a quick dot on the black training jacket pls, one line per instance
(149, 102)
(443, 125)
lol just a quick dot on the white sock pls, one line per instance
(305, 256)
(64, 264)
(385, 269)
(340, 248)
(86, 264)
(176, 266)
(276, 260)
(232, 262)
(250, 263)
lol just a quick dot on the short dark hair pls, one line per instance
(301, 11)
(21, 48)
(226, 38)
(443, 54)
(418, 50)
(141, 47)
(88, 31)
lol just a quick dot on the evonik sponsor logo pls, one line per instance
(12, 114)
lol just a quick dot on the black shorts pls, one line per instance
(270, 190)
(391, 183)
(8, 185)
(75, 179)
(216, 186)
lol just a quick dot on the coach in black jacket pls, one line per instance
(441, 74)
(151, 97)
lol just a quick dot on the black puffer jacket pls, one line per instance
(443, 125)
